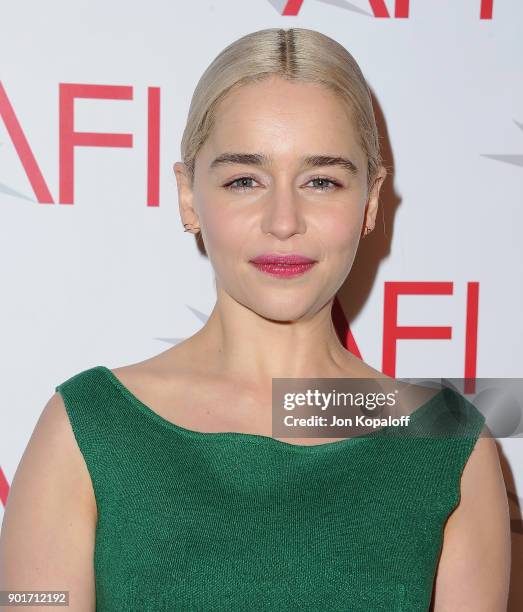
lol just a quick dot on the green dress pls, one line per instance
(194, 521)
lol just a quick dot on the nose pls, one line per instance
(283, 213)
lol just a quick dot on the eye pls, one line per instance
(324, 180)
(243, 183)
(241, 186)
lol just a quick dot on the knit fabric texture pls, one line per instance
(227, 521)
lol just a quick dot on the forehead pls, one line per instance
(283, 117)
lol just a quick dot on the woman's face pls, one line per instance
(268, 199)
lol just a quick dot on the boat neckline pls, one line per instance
(222, 436)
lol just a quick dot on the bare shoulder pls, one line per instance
(47, 535)
(166, 375)
(52, 454)
(410, 397)
(474, 566)
(358, 368)
(176, 360)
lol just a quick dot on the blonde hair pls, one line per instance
(296, 54)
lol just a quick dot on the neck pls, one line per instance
(243, 345)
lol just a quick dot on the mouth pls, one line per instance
(283, 266)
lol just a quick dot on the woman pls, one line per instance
(158, 485)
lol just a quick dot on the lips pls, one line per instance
(282, 260)
(283, 265)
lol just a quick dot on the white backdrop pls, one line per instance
(95, 266)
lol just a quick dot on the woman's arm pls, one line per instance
(47, 537)
(474, 568)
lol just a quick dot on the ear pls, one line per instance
(371, 208)
(188, 214)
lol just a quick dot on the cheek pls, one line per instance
(223, 225)
(225, 232)
(339, 231)
(212, 222)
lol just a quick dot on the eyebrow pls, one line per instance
(308, 161)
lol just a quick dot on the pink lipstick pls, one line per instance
(283, 266)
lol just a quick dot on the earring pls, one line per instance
(187, 230)
(367, 230)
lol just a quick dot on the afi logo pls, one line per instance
(70, 139)
(378, 7)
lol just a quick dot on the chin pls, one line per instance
(281, 313)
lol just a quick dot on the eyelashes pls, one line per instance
(232, 185)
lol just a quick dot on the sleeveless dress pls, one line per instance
(227, 521)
